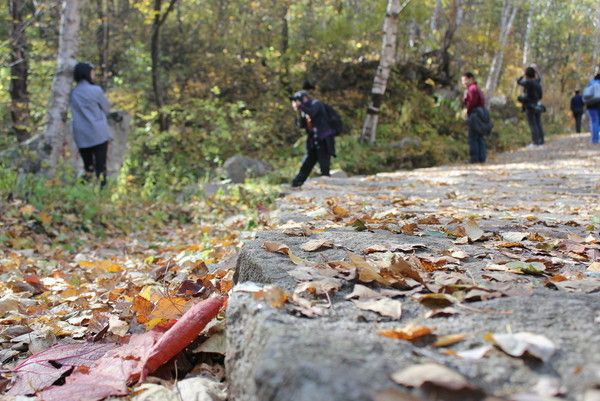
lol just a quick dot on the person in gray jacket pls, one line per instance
(89, 109)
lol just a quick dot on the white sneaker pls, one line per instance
(531, 146)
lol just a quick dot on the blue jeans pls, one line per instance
(594, 114)
(477, 150)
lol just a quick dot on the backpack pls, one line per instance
(591, 94)
(334, 119)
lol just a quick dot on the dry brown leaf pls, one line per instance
(434, 301)
(409, 332)
(431, 373)
(385, 307)
(316, 244)
(429, 220)
(276, 247)
(409, 228)
(450, 339)
(401, 268)
(367, 272)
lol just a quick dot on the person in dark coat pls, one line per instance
(320, 136)
(532, 94)
(577, 108)
(472, 101)
(89, 109)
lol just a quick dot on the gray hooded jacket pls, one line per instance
(89, 108)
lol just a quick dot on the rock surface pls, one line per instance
(240, 167)
(277, 354)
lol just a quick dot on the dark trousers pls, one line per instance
(94, 161)
(477, 148)
(577, 117)
(316, 151)
(534, 119)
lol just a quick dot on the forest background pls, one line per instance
(208, 79)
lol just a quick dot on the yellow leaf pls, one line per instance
(451, 339)
(105, 265)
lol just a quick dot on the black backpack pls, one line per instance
(334, 119)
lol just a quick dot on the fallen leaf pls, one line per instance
(474, 233)
(527, 267)
(409, 332)
(400, 267)
(385, 307)
(513, 236)
(431, 373)
(296, 229)
(594, 267)
(450, 339)
(474, 354)
(362, 292)
(444, 312)
(41, 370)
(340, 211)
(276, 247)
(518, 344)
(436, 300)
(105, 265)
(275, 296)
(315, 245)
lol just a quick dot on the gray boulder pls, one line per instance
(239, 167)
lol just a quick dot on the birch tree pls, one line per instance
(56, 117)
(388, 55)
(509, 12)
(526, 41)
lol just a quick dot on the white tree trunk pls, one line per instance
(388, 53)
(526, 44)
(54, 135)
(509, 12)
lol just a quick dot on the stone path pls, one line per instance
(539, 206)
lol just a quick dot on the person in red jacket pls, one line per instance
(472, 100)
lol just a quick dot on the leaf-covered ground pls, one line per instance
(63, 284)
(390, 253)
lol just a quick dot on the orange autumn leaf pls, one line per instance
(142, 308)
(410, 332)
(340, 211)
(168, 309)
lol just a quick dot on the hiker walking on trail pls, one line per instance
(591, 98)
(313, 116)
(532, 94)
(577, 108)
(478, 119)
(89, 108)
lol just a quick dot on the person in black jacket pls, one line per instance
(577, 108)
(532, 94)
(320, 139)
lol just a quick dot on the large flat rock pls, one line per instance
(276, 354)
